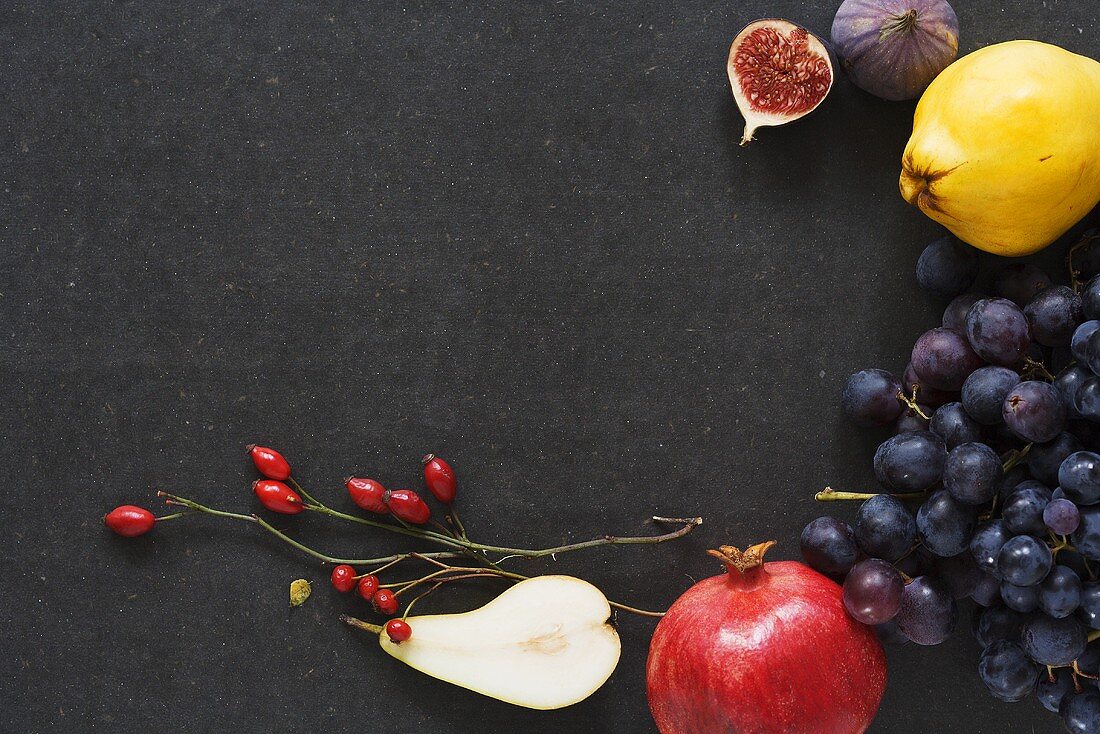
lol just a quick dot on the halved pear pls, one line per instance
(545, 643)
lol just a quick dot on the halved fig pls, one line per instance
(779, 72)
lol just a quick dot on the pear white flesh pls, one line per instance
(544, 643)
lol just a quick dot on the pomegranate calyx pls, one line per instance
(742, 560)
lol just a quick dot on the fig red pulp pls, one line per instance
(765, 648)
(779, 74)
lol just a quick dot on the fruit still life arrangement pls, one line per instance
(988, 471)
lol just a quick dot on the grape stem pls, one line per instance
(1036, 368)
(1074, 274)
(911, 402)
(1014, 457)
(831, 495)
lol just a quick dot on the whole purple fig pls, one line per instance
(895, 48)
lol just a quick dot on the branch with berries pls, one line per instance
(401, 511)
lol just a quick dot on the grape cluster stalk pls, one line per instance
(990, 481)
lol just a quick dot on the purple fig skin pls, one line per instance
(895, 48)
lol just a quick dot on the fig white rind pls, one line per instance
(779, 72)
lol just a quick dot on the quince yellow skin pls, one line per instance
(1005, 150)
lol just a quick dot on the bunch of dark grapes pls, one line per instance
(991, 481)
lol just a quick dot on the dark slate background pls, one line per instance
(519, 234)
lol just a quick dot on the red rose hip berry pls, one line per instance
(129, 521)
(398, 630)
(440, 478)
(368, 586)
(406, 505)
(269, 462)
(343, 578)
(368, 494)
(384, 601)
(278, 497)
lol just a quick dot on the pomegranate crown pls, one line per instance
(742, 560)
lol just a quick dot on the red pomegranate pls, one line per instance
(766, 648)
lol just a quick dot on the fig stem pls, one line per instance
(899, 24)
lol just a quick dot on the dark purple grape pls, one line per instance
(1086, 255)
(1060, 592)
(1089, 662)
(926, 394)
(1080, 712)
(944, 525)
(947, 267)
(1087, 432)
(987, 590)
(872, 591)
(1092, 351)
(1078, 345)
(1044, 459)
(928, 613)
(998, 623)
(1053, 315)
(1022, 513)
(972, 473)
(1014, 477)
(917, 563)
(1050, 641)
(1033, 411)
(1079, 477)
(1024, 561)
(984, 393)
(1088, 610)
(1020, 282)
(910, 462)
(1086, 401)
(1061, 516)
(1053, 687)
(998, 332)
(890, 634)
(960, 573)
(885, 527)
(955, 426)
(1007, 672)
(870, 398)
(1090, 299)
(986, 543)
(1023, 599)
(1067, 383)
(912, 421)
(1086, 538)
(954, 316)
(829, 546)
(943, 358)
